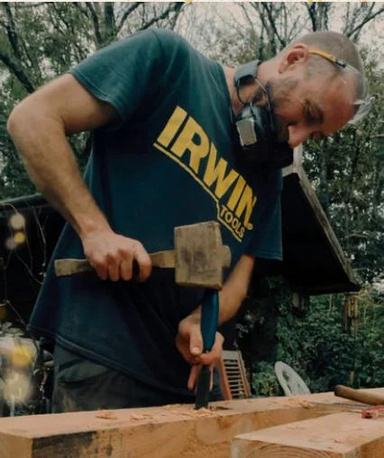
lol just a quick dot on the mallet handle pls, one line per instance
(67, 267)
(165, 259)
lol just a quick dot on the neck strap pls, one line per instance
(245, 71)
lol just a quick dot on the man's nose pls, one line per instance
(297, 135)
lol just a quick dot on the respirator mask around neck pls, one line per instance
(256, 136)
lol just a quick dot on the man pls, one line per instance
(177, 139)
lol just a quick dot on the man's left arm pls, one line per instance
(235, 289)
(266, 243)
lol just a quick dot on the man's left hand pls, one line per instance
(189, 342)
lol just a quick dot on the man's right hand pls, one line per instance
(113, 255)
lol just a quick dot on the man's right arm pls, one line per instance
(38, 127)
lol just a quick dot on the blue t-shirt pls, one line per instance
(167, 163)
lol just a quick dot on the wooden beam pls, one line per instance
(169, 431)
(342, 435)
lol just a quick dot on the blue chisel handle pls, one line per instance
(209, 318)
(209, 321)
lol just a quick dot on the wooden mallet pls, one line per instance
(198, 258)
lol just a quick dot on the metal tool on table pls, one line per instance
(364, 397)
(198, 258)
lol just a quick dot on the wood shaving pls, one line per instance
(305, 404)
(198, 413)
(141, 416)
(105, 415)
(292, 402)
(373, 412)
(172, 406)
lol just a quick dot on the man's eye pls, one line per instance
(310, 118)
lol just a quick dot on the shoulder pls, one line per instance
(168, 37)
(154, 42)
(162, 37)
(172, 44)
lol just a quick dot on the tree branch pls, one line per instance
(110, 32)
(18, 72)
(81, 54)
(95, 21)
(24, 5)
(365, 21)
(126, 13)
(267, 26)
(175, 7)
(11, 30)
(311, 8)
(272, 22)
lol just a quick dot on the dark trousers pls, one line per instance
(81, 385)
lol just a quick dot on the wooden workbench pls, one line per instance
(169, 431)
(340, 435)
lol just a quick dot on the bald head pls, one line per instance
(335, 49)
(334, 43)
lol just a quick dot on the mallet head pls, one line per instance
(200, 255)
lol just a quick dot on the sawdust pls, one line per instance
(105, 415)
(292, 402)
(201, 413)
(141, 416)
(173, 406)
(337, 441)
(168, 411)
(190, 411)
(305, 404)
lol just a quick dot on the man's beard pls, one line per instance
(278, 93)
(271, 133)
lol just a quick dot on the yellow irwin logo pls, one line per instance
(185, 142)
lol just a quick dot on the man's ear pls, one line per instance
(296, 55)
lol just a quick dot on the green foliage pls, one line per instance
(234, 50)
(264, 381)
(347, 171)
(14, 181)
(41, 40)
(318, 347)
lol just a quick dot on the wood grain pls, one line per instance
(342, 435)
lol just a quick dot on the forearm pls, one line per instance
(235, 289)
(50, 163)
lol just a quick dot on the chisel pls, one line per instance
(209, 321)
